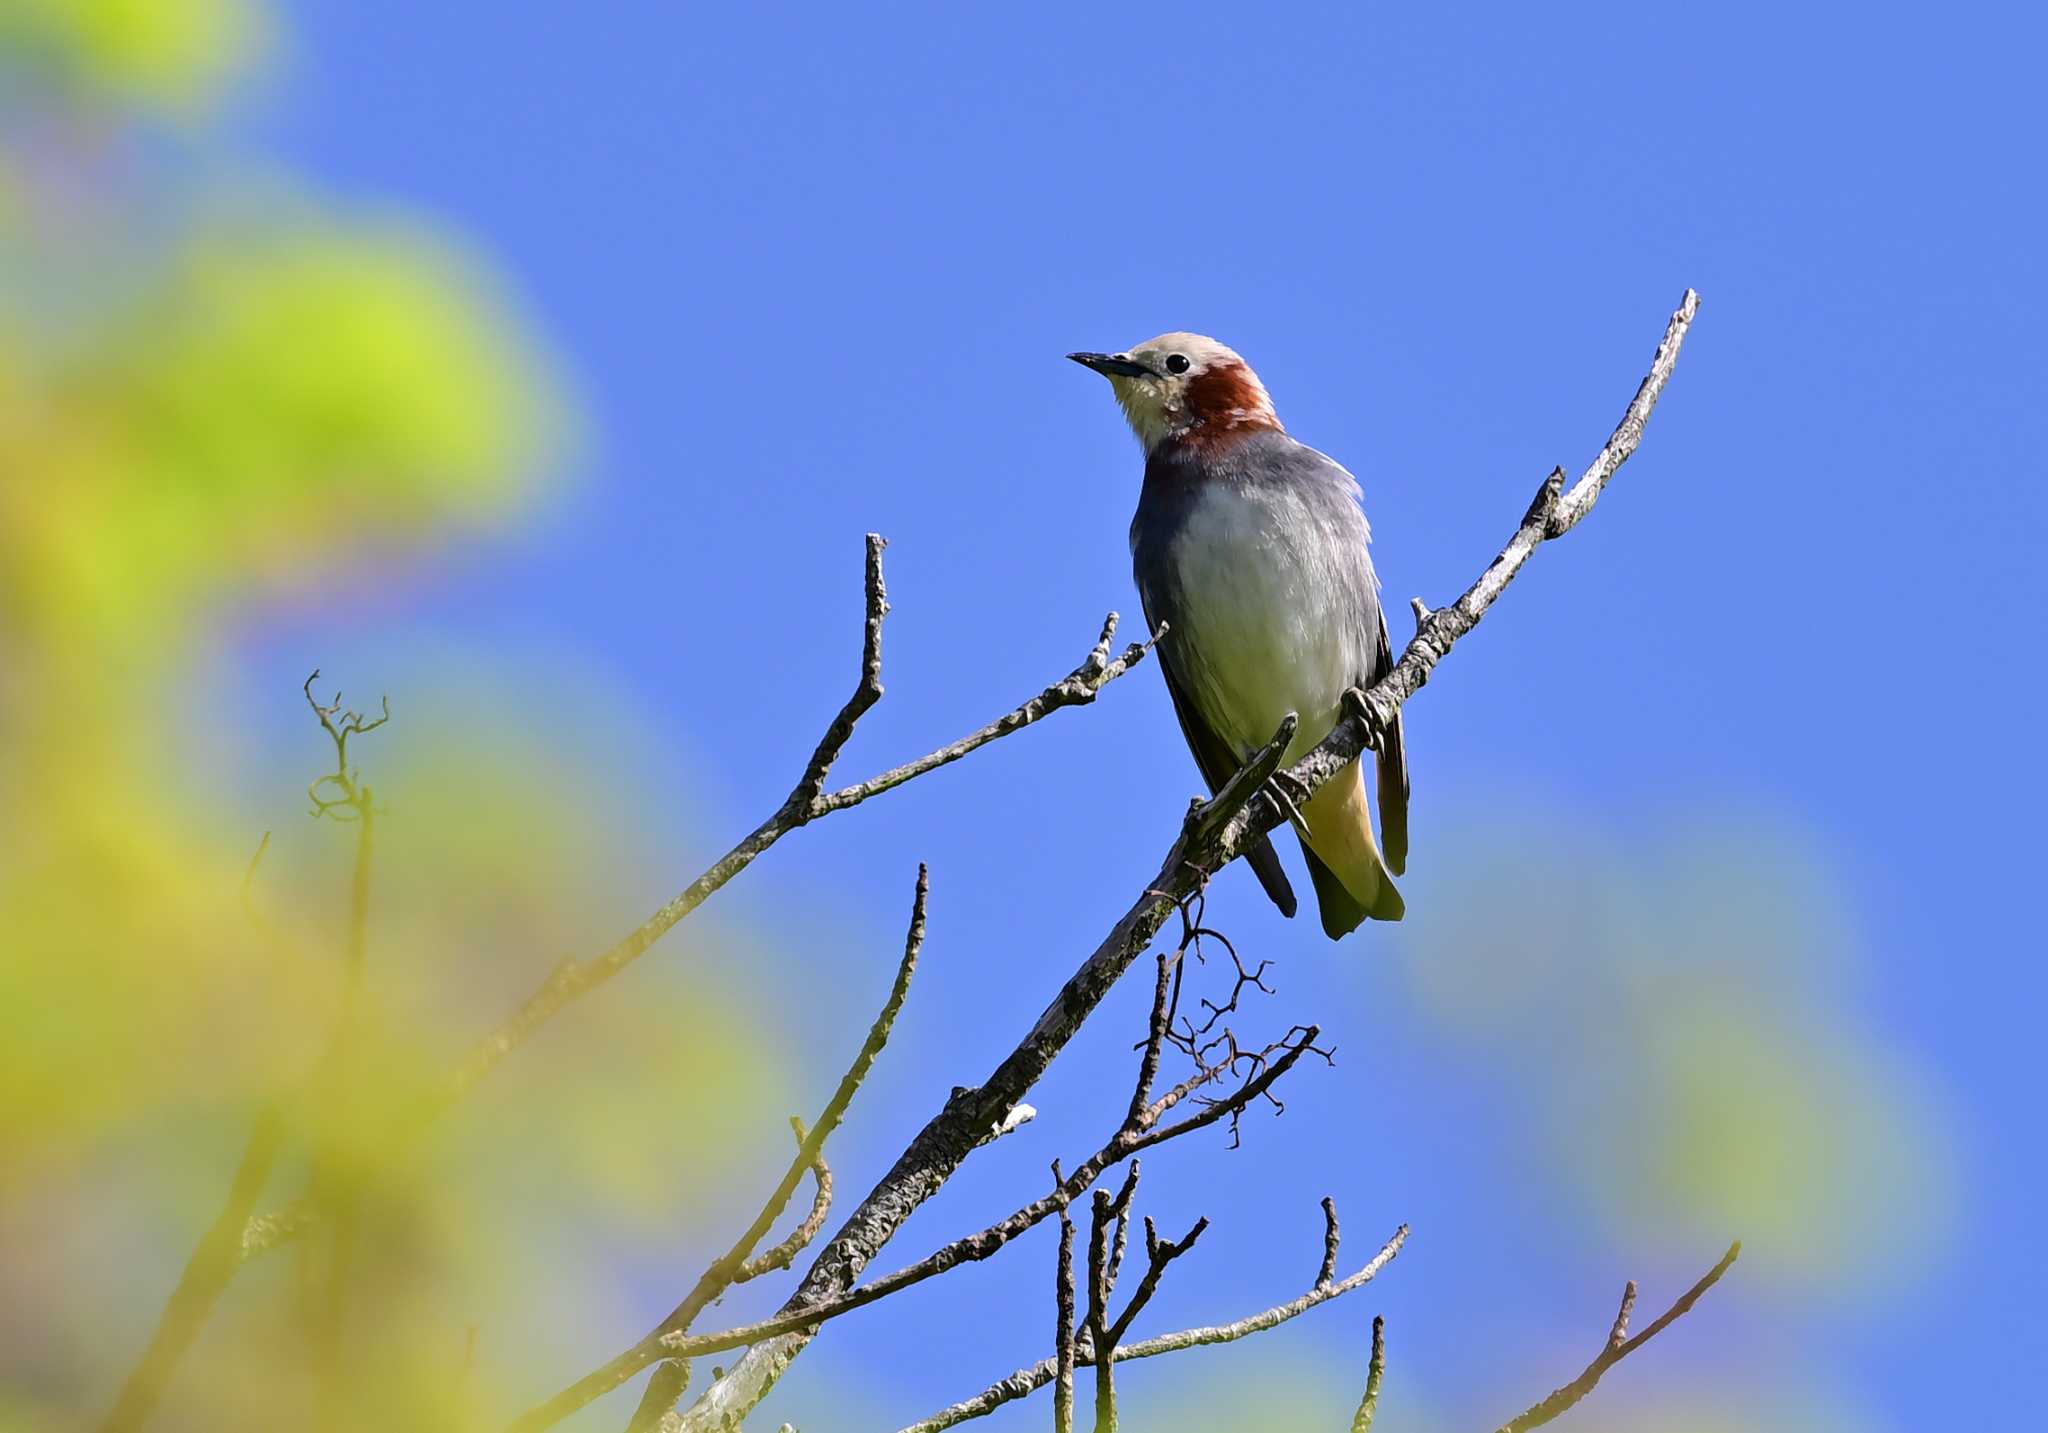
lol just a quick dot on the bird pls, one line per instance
(1251, 550)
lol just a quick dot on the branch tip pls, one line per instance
(1618, 1335)
(1375, 1369)
(1328, 1269)
(1618, 1345)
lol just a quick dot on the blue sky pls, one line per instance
(811, 273)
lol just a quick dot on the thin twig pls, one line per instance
(977, 1246)
(207, 1272)
(1156, 1031)
(1617, 1347)
(732, 1266)
(1120, 1208)
(571, 979)
(331, 1190)
(806, 803)
(219, 1254)
(1328, 1268)
(1026, 1381)
(987, 1241)
(799, 1238)
(336, 1191)
(1553, 513)
(673, 1342)
(1158, 1254)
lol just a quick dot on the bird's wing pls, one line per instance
(1393, 767)
(1375, 651)
(1216, 763)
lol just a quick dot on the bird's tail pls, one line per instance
(1352, 882)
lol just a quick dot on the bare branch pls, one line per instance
(1103, 1335)
(1213, 833)
(571, 979)
(1328, 1269)
(1078, 688)
(1156, 1032)
(1120, 1207)
(981, 1245)
(670, 1381)
(1617, 1347)
(669, 1340)
(1063, 1325)
(1159, 1253)
(213, 1262)
(804, 1320)
(799, 1238)
(1621, 445)
(1553, 513)
(1097, 1319)
(811, 1147)
(1376, 1366)
(733, 1266)
(1026, 1381)
(865, 694)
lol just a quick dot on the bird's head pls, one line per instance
(1184, 388)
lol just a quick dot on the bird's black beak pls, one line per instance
(1111, 364)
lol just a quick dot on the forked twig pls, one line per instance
(1618, 1347)
(571, 979)
(1026, 1381)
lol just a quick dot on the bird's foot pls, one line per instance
(1368, 717)
(1277, 787)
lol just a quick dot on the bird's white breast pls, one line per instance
(1262, 625)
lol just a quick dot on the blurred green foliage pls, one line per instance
(166, 55)
(1679, 1021)
(217, 395)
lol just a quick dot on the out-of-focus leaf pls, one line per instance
(169, 55)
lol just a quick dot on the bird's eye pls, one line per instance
(1177, 363)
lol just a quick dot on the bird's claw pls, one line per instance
(1276, 787)
(1368, 717)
